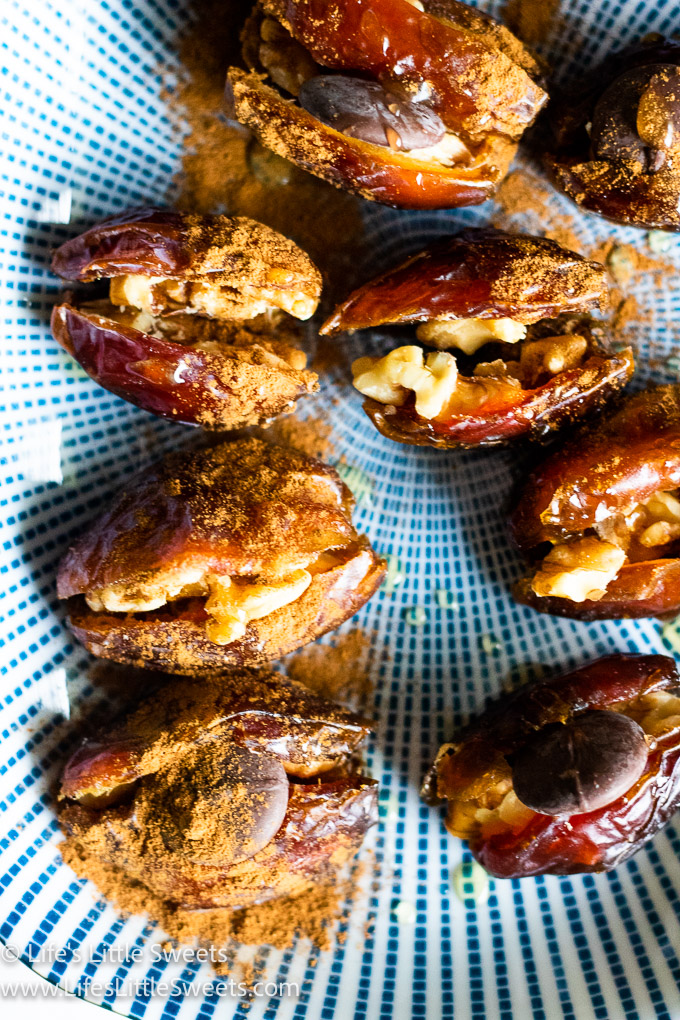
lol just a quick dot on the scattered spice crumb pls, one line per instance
(311, 436)
(532, 21)
(338, 671)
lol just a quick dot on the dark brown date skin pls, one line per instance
(476, 274)
(533, 414)
(257, 710)
(184, 383)
(482, 83)
(165, 243)
(605, 185)
(590, 842)
(394, 40)
(173, 638)
(607, 468)
(240, 509)
(109, 785)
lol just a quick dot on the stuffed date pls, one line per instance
(567, 775)
(616, 144)
(199, 325)
(599, 520)
(233, 555)
(220, 795)
(525, 361)
(418, 105)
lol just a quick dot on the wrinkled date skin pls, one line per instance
(241, 510)
(120, 809)
(604, 470)
(479, 81)
(172, 380)
(218, 385)
(616, 137)
(477, 769)
(486, 274)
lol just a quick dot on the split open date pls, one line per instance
(222, 795)
(570, 774)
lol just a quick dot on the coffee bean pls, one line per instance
(581, 765)
(370, 112)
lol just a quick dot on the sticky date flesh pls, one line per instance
(589, 807)
(186, 362)
(403, 80)
(215, 791)
(184, 570)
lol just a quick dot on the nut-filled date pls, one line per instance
(599, 520)
(485, 289)
(233, 555)
(423, 109)
(198, 325)
(616, 148)
(570, 774)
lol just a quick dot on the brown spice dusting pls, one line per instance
(311, 436)
(532, 20)
(200, 827)
(311, 915)
(225, 170)
(338, 671)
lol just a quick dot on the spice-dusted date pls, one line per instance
(599, 520)
(570, 774)
(216, 385)
(423, 109)
(484, 289)
(211, 808)
(231, 556)
(198, 325)
(616, 148)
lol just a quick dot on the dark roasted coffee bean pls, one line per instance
(370, 112)
(579, 766)
(227, 807)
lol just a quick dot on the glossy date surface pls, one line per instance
(244, 509)
(216, 389)
(606, 470)
(477, 769)
(393, 39)
(515, 412)
(486, 274)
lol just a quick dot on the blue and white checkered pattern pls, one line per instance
(85, 135)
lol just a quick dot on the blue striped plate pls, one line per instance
(85, 135)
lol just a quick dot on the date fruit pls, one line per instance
(232, 555)
(198, 326)
(215, 808)
(518, 297)
(599, 519)
(616, 148)
(566, 775)
(423, 107)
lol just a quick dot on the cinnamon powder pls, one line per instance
(225, 170)
(338, 671)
